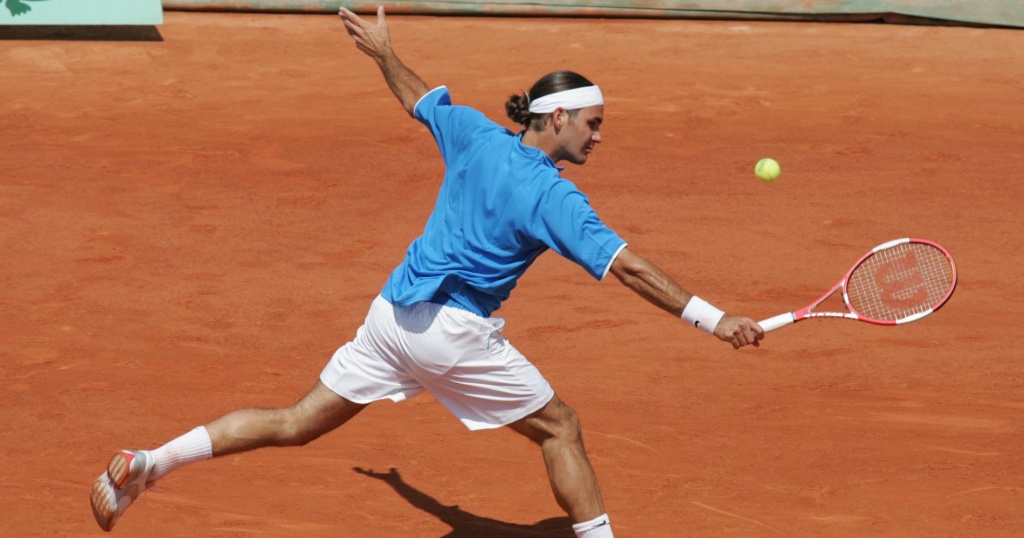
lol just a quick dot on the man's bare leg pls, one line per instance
(130, 473)
(556, 429)
(317, 413)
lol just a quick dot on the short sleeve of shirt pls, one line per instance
(564, 221)
(453, 127)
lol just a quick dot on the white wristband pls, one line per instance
(702, 315)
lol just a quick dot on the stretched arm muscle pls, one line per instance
(649, 282)
(375, 41)
(644, 278)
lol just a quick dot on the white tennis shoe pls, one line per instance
(126, 477)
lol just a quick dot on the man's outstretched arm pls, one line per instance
(375, 41)
(652, 284)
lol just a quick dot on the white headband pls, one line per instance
(568, 99)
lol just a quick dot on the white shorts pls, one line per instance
(460, 357)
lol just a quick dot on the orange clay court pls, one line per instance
(195, 224)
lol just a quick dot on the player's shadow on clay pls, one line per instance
(465, 524)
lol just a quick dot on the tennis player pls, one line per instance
(501, 205)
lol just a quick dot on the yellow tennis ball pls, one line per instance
(767, 170)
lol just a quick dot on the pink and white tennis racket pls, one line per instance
(897, 282)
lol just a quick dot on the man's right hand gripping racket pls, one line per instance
(897, 282)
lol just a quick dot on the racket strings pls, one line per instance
(900, 281)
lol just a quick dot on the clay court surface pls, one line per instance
(195, 224)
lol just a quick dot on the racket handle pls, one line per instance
(777, 322)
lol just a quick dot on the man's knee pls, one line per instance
(296, 428)
(316, 414)
(569, 423)
(555, 422)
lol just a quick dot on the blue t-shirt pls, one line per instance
(501, 205)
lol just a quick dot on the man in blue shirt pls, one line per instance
(502, 204)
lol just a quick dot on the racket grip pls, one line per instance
(777, 322)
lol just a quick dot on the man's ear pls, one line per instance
(559, 117)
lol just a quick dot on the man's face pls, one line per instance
(580, 133)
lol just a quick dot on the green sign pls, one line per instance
(91, 12)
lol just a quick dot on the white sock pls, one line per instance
(189, 448)
(599, 527)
